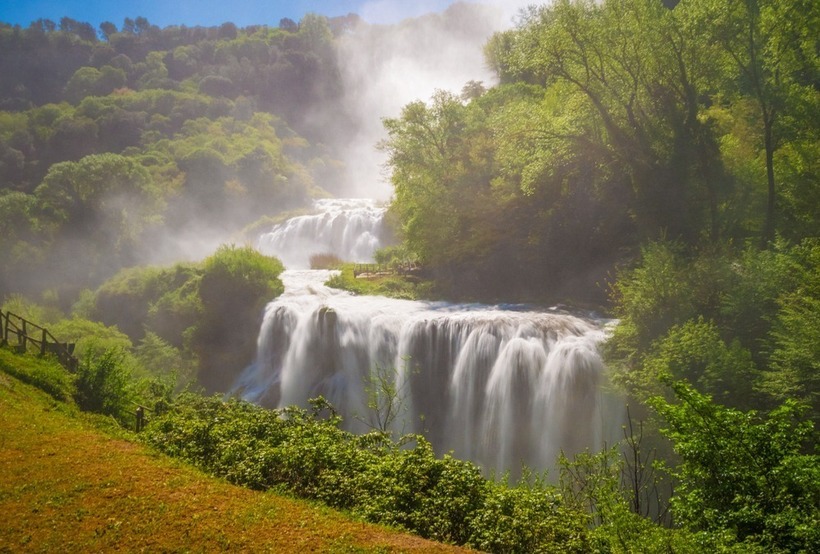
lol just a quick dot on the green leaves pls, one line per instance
(104, 383)
(744, 472)
(695, 352)
(401, 483)
(236, 284)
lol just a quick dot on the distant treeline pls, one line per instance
(111, 141)
(67, 60)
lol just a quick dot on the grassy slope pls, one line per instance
(65, 485)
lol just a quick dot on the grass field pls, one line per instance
(67, 485)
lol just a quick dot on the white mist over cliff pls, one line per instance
(385, 67)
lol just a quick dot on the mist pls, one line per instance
(327, 108)
(385, 67)
(382, 68)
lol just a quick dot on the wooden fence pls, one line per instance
(375, 270)
(25, 335)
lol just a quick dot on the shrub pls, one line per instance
(104, 383)
(236, 284)
(527, 519)
(744, 473)
(306, 453)
(239, 275)
(695, 351)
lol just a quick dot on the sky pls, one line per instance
(211, 12)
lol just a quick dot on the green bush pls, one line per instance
(695, 351)
(188, 314)
(240, 276)
(104, 383)
(743, 473)
(162, 298)
(404, 484)
(236, 284)
(528, 519)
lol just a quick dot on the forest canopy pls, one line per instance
(614, 123)
(113, 140)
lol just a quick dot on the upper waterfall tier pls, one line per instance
(352, 229)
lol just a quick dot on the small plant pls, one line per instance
(386, 395)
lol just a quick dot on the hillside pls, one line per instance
(65, 484)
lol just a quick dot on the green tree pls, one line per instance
(441, 156)
(236, 284)
(385, 398)
(90, 81)
(96, 210)
(695, 351)
(743, 473)
(768, 50)
(635, 67)
(794, 370)
(100, 189)
(107, 29)
(83, 83)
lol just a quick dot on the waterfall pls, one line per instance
(352, 229)
(502, 386)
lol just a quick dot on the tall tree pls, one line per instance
(632, 64)
(768, 48)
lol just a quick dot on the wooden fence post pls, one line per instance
(140, 418)
(43, 343)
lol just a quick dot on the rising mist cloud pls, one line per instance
(386, 67)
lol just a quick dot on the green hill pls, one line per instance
(66, 484)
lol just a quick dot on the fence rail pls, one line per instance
(26, 335)
(374, 270)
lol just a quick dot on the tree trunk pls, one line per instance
(769, 227)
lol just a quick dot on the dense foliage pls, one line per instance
(670, 157)
(744, 474)
(191, 324)
(405, 485)
(744, 483)
(615, 123)
(205, 315)
(134, 145)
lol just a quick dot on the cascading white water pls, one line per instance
(501, 387)
(352, 229)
